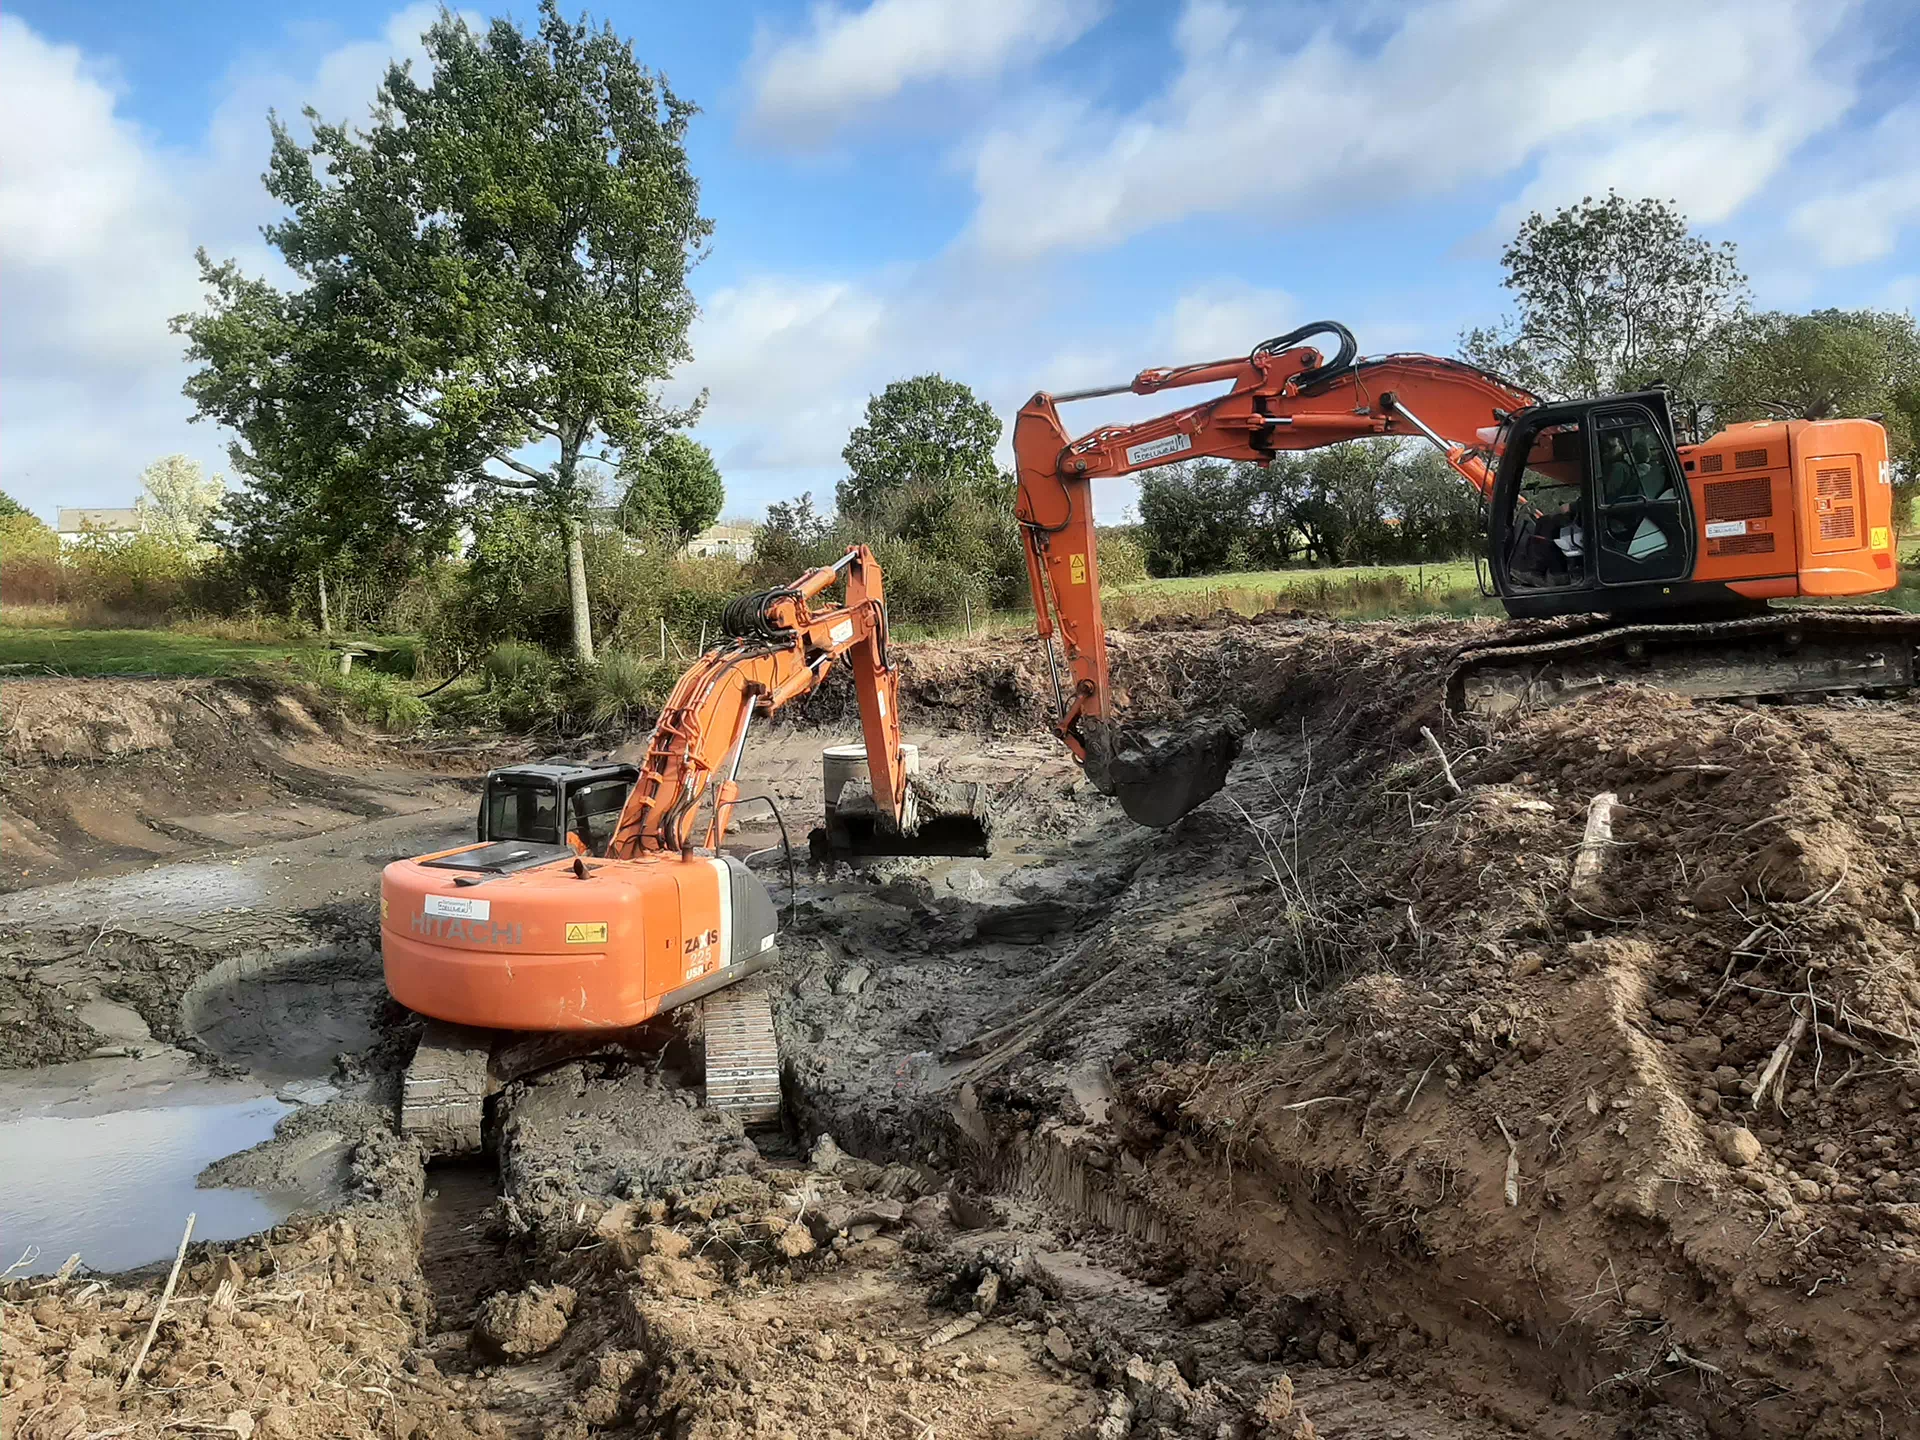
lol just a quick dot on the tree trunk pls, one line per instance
(326, 624)
(577, 589)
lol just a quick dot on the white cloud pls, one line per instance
(1211, 322)
(784, 360)
(1701, 102)
(98, 225)
(1862, 218)
(807, 85)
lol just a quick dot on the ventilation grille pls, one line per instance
(1837, 524)
(1749, 459)
(1712, 464)
(1833, 485)
(1745, 545)
(1749, 499)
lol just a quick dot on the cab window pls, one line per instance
(1548, 544)
(519, 810)
(1641, 534)
(596, 812)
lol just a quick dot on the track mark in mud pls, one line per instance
(1885, 737)
(462, 1260)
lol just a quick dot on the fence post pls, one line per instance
(663, 637)
(967, 601)
(703, 639)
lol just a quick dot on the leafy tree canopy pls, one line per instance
(178, 498)
(498, 261)
(1611, 296)
(927, 431)
(671, 487)
(1831, 362)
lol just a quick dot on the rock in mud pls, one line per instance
(825, 1155)
(1058, 1345)
(1276, 1404)
(1158, 1392)
(794, 1241)
(519, 1325)
(1738, 1146)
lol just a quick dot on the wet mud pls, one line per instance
(1341, 1107)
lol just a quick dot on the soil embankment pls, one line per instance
(1339, 1108)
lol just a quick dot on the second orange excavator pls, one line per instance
(1593, 508)
(563, 928)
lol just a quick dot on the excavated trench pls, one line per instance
(1339, 1083)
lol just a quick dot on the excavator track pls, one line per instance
(443, 1096)
(743, 1057)
(1782, 653)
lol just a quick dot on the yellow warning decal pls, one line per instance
(383, 907)
(1077, 569)
(1877, 537)
(585, 934)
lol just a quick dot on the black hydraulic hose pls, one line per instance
(786, 845)
(1349, 347)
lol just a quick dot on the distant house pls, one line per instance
(733, 541)
(76, 524)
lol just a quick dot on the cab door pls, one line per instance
(1643, 532)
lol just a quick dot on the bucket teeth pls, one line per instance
(743, 1058)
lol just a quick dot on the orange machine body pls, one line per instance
(1794, 508)
(544, 949)
(524, 936)
(1779, 508)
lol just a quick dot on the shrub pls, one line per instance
(366, 695)
(508, 661)
(1123, 559)
(622, 690)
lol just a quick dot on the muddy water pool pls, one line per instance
(108, 1170)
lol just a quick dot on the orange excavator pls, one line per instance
(562, 928)
(1674, 551)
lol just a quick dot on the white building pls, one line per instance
(733, 541)
(116, 524)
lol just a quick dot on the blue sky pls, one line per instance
(1023, 194)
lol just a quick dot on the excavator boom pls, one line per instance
(511, 945)
(1593, 510)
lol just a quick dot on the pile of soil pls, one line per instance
(103, 774)
(1341, 1107)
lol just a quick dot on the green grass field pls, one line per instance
(135, 652)
(1442, 575)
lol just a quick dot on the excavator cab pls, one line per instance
(529, 803)
(1590, 503)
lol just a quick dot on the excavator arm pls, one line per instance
(780, 648)
(1284, 396)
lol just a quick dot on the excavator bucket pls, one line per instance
(942, 818)
(1158, 778)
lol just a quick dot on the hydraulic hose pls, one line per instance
(1343, 357)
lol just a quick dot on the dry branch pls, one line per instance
(1777, 1062)
(160, 1310)
(1446, 765)
(1590, 865)
(1513, 1162)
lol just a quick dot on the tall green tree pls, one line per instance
(670, 487)
(1613, 295)
(499, 259)
(1831, 362)
(927, 431)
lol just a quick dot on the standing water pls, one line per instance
(116, 1185)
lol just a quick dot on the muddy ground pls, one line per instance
(1340, 1108)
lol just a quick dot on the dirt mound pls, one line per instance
(105, 774)
(1537, 1106)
